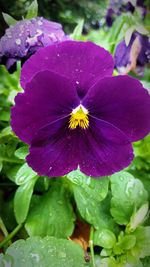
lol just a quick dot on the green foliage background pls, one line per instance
(43, 211)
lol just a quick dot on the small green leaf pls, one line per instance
(128, 35)
(8, 19)
(141, 29)
(89, 193)
(53, 215)
(32, 10)
(142, 246)
(24, 174)
(142, 147)
(78, 30)
(5, 132)
(46, 252)
(22, 199)
(126, 242)
(128, 194)
(138, 217)
(104, 238)
(94, 212)
(12, 172)
(96, 189)
(106, 252)
(109, 262)
(22, 152)
(5, 115)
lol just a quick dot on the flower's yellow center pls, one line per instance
(79, 117)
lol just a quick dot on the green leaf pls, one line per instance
(32, 10)
(8, 19)
(46, 252)
(119, 28)
(94, 212)
(109, 262)
(78, 30)
(138, 218)
(5, 132)
(142, 148)
(89, 193)
(142, 246)
(22, 152)
(128, 242)
(141, 29)
(104, 238)
(5, 116)
(53, 215)
(24, 174)
(22, 199)
(125, 242)
(128, 194)
(12, 172)
(96, 189)
(106, 252)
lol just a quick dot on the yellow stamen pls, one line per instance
(79, 117)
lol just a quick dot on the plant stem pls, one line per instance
(11, 235)
(12, 160)
(3, 228)
(91, 246)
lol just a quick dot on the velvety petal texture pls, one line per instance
(58, 150)
(25, 38)
(123, 102)
(48, 97)
(82, 62)
(73, 114)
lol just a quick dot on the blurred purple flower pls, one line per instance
(74, 114)
(116, 8)
(133, 57)
(25, 38)
(110, 17)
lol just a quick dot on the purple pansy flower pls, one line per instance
(74, 114)
(134, 56)
(25, 38)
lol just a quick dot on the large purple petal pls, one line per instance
(47, 98)
(54, 150)
(82, 62)
(104, 149)
(123, 102)
(100, 150)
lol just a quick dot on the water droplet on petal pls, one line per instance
(40, 22)
(18, 41)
